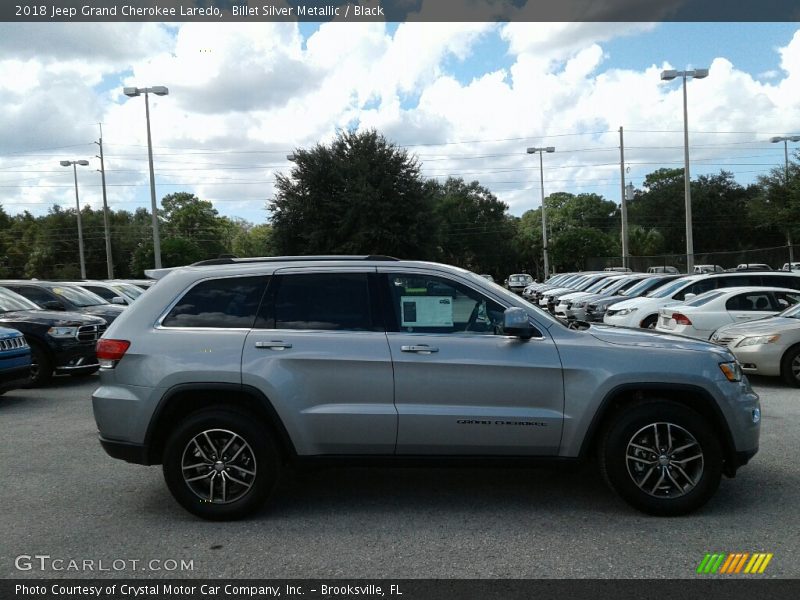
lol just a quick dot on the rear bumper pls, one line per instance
(132, 453)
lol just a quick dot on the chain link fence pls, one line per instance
(775, 258)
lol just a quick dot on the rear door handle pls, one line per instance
(273, 345)
(421, 349)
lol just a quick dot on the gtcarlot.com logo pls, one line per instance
(734, 563)
(45, 562)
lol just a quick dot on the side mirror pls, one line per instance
(689, 296)
(118, 300)
(53, 305)
(516, 323)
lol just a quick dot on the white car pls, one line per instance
(643, 311)
(701, 316)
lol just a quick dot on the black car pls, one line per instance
(60, 342)
(15, 360)
(60, 296)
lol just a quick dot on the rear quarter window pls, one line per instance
(226, 303)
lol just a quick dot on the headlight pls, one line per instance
(732, 370)
(62, 332)
(759, 339)
(578, 304)
(625, 311)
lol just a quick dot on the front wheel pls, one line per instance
(661, 457)
(790, 366)
(41, 366)
(220, 464)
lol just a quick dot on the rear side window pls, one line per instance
(781, 281)
(231, 302)
(320, 301)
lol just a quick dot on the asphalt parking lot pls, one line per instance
(63, 497)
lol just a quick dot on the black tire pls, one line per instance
(41, 366)
(79, 374)
(259, 451)
(650, 322)
(790, 366)
(622, 463)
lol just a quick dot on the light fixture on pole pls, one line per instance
(73, 164)
(668, 75)
(541, 151)
(786, 140)
(158, 90)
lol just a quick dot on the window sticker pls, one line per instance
(426, 311)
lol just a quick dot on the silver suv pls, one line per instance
(224, 373)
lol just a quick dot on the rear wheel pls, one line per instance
(790, 366)
(220, 464)
(662, 458)
(41, 366)
(650, 322)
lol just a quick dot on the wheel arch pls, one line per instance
(693, 397)
(184, 399)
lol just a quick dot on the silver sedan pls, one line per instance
(768, 346)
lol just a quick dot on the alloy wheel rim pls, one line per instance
(218, 466)
(796, 367)
(664, 460)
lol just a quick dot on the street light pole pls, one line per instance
(109, 261)
(786, 140)
(158, 90)
(73, 164)
(687, 191)
(540, 151)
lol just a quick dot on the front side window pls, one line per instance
(231, 302)
(430, 304)
(34, 294)
(321, 301)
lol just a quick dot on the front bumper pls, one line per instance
(74, 357)
(760, 359)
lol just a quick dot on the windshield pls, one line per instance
(602, 284)
(704, 298)
(77, 296)
(128, 289)
(667, 290)
(589, 282)
(792, 312)
(10, 301)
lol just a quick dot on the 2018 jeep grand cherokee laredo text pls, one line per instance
(223, 373)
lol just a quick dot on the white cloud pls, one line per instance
(246, 94)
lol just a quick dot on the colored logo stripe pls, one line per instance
(734, 562)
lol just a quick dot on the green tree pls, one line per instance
(776, 206)
(254, 240)
(360, 195)
(475, 230)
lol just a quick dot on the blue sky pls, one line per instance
(466, 98)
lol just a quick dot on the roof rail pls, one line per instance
(259, 259)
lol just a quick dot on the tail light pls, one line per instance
(110, 352)
(681, 319)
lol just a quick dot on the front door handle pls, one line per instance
(273, 345)
(421, 349)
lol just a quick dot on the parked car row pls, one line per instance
(59, 323)
(722, 307)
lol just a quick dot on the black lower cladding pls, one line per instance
(132, 453)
